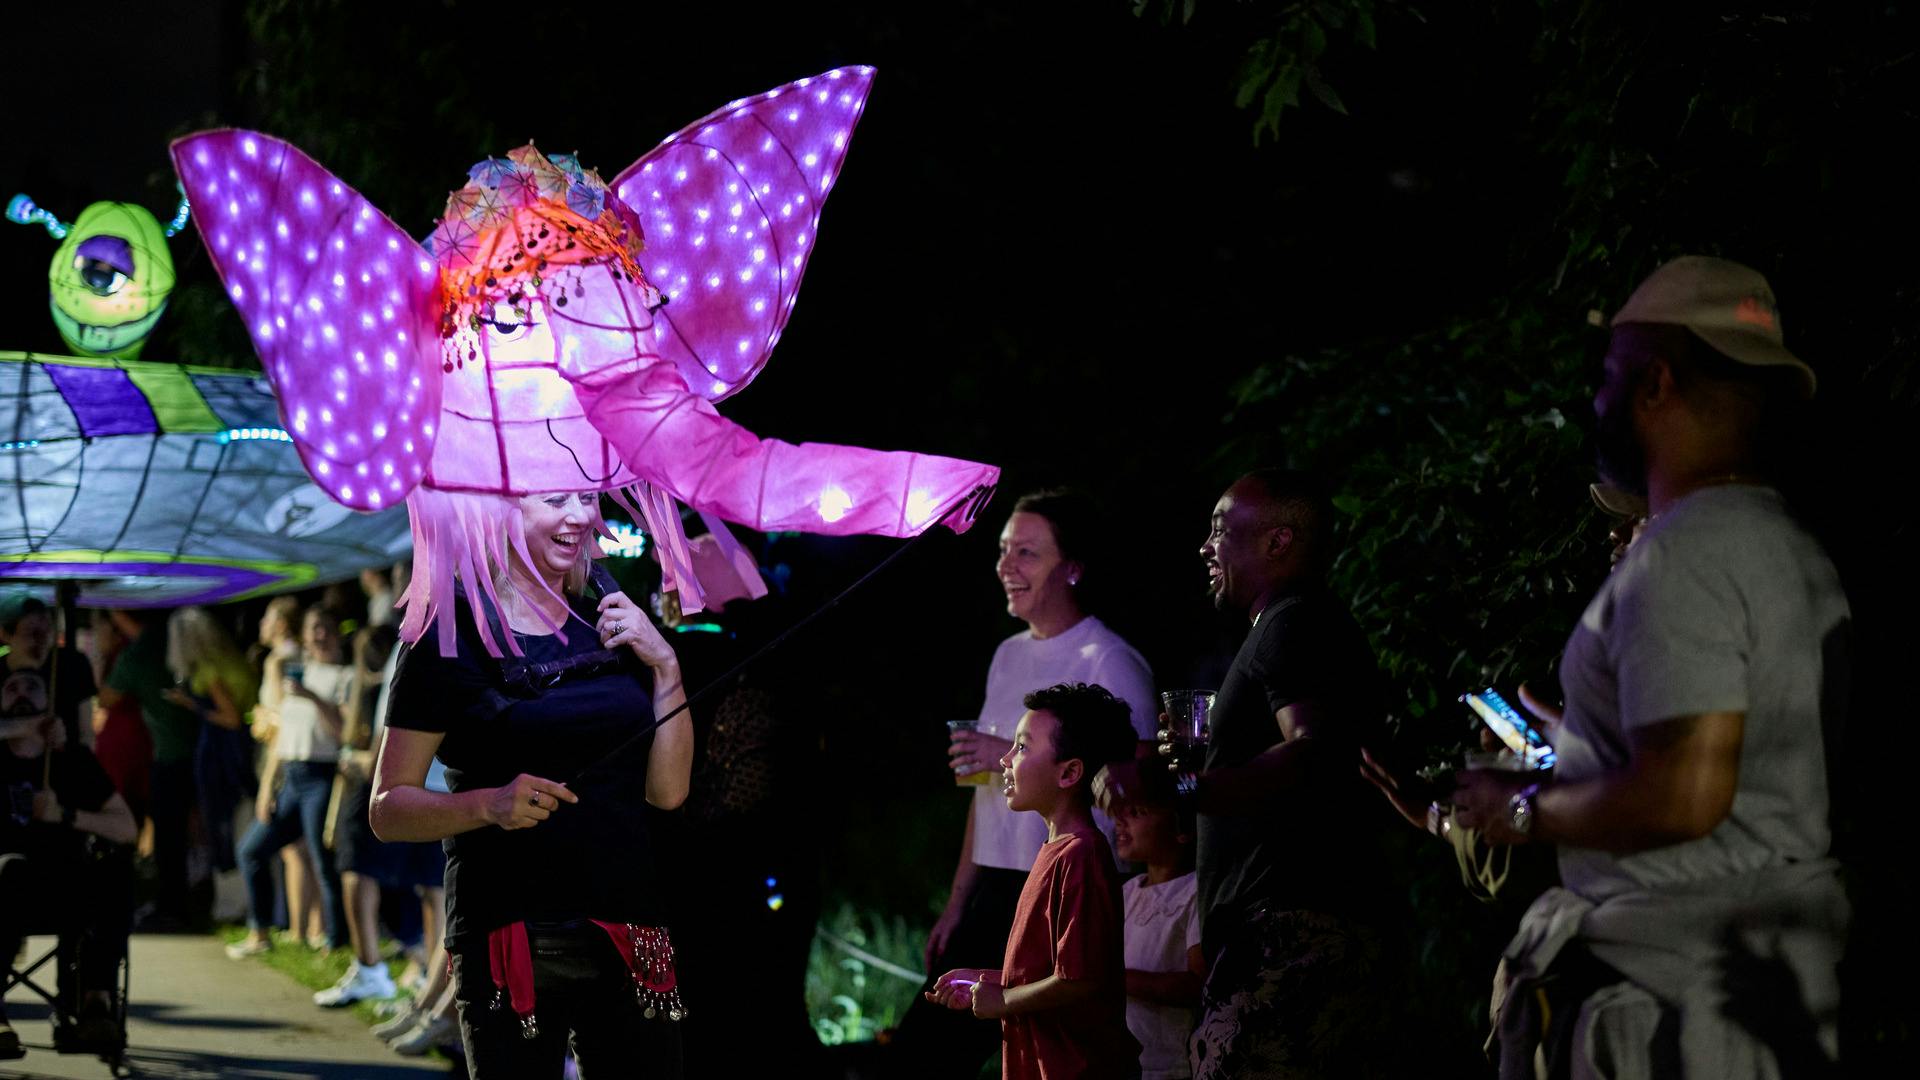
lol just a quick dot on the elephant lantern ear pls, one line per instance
(730, 205)
(342, 305)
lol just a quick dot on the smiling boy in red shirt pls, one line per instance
(1061, 995)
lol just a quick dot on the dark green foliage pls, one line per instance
(1285, 57)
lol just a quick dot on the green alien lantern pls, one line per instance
(110, 276)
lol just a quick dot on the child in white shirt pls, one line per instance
(1162, 933)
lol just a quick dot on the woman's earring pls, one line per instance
(1073, 579)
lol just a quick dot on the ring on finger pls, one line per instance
(533, 799)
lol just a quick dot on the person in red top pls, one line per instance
(1061, 995)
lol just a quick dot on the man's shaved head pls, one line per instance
(1292, 499)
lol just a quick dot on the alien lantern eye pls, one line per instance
(99, 276)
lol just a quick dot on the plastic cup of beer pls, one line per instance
(974, 779)
(1189, 723)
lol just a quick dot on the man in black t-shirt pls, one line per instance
(1289, 873)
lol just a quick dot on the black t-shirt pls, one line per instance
(1318, 849)
(78, 782)
(24, 692)
(591, 859)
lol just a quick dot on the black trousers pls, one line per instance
(933, 1041)
(583, 1001)
(170, 803)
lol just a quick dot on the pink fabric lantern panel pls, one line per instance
(731, 204)
(341, 305)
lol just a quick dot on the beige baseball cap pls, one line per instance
(1727, 305)
(1617, 502)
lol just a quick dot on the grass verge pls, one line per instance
(316, 969)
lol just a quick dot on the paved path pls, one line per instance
(196, 1015)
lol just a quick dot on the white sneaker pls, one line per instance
(246, 947)
(427, 1034)
(360, 982)
(401, 1023)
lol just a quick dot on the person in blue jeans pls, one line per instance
(306, 753)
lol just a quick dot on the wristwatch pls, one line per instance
(1520, 810)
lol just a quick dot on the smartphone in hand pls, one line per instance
(1520, 736)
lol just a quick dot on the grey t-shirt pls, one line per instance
(1725, 604)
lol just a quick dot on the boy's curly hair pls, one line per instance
(1093, 725)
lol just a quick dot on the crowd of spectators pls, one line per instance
(1681, 783)
(176, 767)
(1695, 931)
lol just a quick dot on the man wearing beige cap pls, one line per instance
(1702, 919)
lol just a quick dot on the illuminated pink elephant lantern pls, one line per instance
(559, 334)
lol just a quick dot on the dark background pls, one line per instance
(1060, 246)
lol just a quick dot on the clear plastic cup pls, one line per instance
(984, 776)
(1189, 724)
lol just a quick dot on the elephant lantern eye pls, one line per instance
(511, 321)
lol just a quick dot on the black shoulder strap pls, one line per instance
(509, 665)
(512, 667)
(496, 621)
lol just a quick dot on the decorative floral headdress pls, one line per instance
(514, 232)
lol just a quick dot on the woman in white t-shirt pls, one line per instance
(304, 757)
(1046, 571)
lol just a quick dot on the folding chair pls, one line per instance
(65, 1013)
(64, 959)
